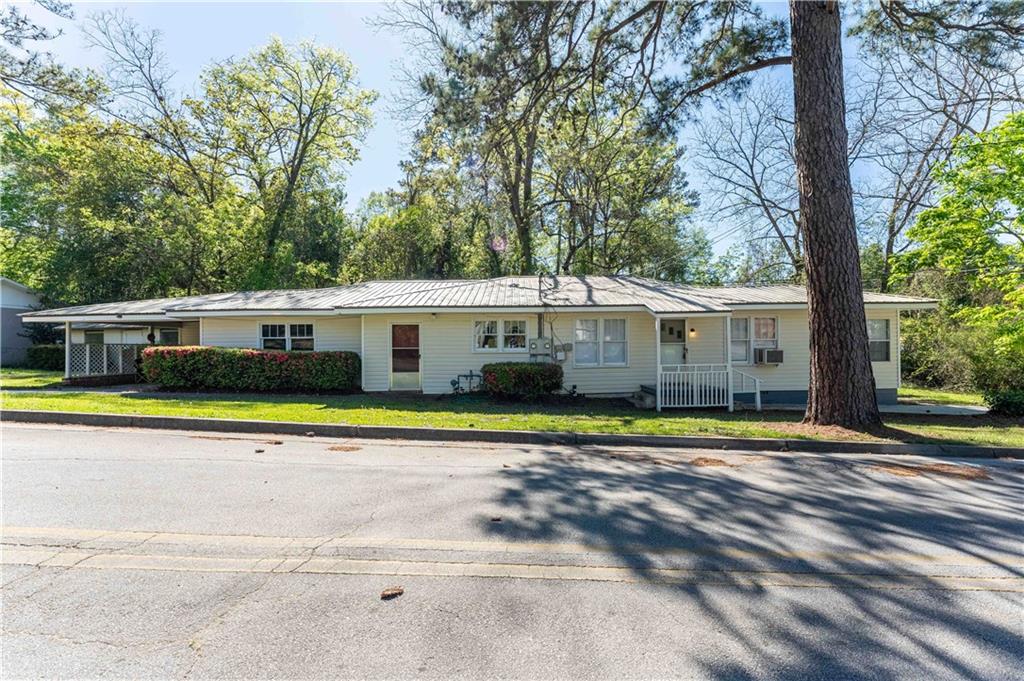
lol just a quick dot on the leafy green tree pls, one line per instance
(974, 236)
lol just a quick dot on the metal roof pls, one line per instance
(658, 297)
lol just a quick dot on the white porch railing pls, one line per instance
(103, 359)
(745, 383)
(694, 385)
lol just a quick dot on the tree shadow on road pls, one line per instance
(829, 517)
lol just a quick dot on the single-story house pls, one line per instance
(613, 335)
(15, 299)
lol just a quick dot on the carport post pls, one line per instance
(67, 349)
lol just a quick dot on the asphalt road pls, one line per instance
(130, 553)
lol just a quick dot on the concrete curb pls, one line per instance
(504, 436)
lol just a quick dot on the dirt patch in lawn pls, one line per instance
(944, 469)
(709, 461)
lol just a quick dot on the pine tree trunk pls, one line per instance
(842, 387)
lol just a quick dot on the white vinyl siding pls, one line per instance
(794, 341)
(332, 333)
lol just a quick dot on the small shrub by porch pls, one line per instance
(192, 367)
(49, 357)
(522, 380)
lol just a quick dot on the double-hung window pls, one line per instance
(766, 332)
(300, 337)
(878, 339)
(499, 335)
(286, 337)
(168, 337)
(513, 335)
(739, 345)
(600, 342)
(273, 337)
(749, 333)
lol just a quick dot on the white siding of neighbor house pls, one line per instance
(794, 341)
(189, 333)
(330, 333)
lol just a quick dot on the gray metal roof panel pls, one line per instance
(519, 291)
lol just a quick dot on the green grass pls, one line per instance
(591, 416)
(932, 396)
(14, 377)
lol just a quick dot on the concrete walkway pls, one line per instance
(907, 408)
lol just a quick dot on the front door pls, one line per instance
(673, 342)
(405, 356)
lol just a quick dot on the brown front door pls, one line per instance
(405, 357)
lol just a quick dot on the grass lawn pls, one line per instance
(931, 396)
(591, 416)
(14, 377)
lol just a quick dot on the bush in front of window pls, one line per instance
(521, 379)
(49, 357)
(209, 368)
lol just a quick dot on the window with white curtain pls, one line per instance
(613, 342)
(513, 335)
(766, 332)
(878, 339)
(740, 340)
(600, 342)
(587, 344)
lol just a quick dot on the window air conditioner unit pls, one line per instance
(767, 356)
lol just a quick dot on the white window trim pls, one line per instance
(887, 339)
(501, 349)
(161, 329)
(751, 336)
(600, 344)
(287, 335)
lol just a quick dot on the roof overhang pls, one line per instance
(99, 318)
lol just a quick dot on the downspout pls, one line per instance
(67, 350)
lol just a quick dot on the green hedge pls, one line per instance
(192, 367)
(49, 357)
(521, 379)
(1008, 402)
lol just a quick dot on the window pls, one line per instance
(587, 344)
(496, 335)
(272, 337)
(514, 335)
(485, 335)
(168, 337)
(740, 340)
(286, 337)
(878, 339)
(301, 336)
(766, 332)
(600, 342)
(94, 337)
(613, 348)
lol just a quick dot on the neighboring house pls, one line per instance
(15, 299)
(684, 345)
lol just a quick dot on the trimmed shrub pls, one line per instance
(192, 367)
(521, 379)
(49, 357)
(1006, 402)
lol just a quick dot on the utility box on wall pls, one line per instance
(540, 346)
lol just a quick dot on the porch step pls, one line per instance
(642, 399)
